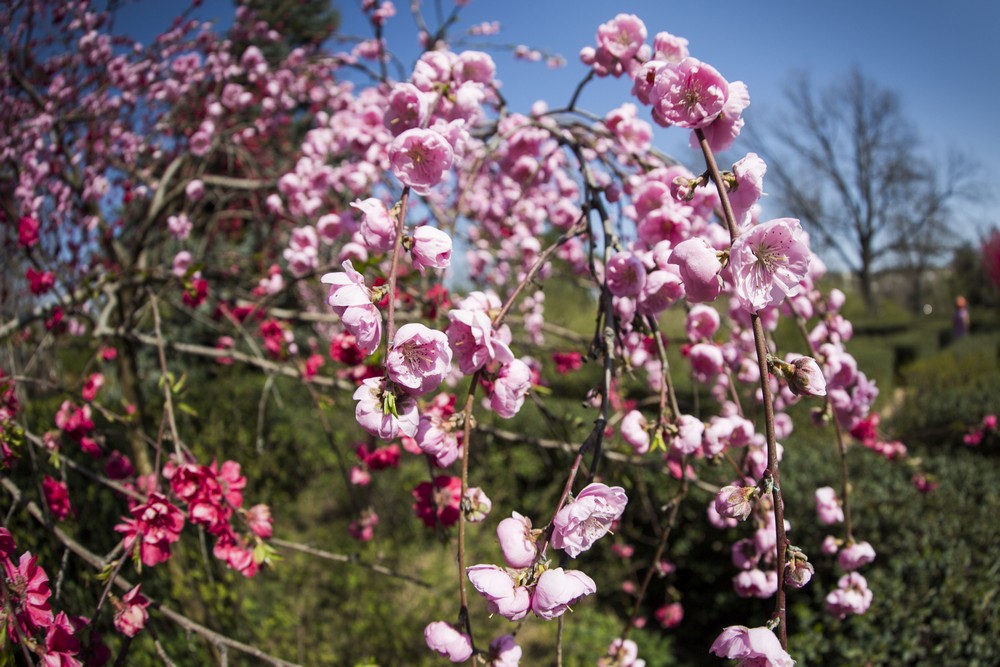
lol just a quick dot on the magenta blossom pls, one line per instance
(769, 262)
(384, 414)
(753, 647)
(431, 248)
(689, 94)
(419, 358)
(131, 616)
(420, 158)
(449, 642)
(30, 584)
(557, 589)
(587, 518)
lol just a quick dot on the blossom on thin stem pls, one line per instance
(587, 518)
(769, 262)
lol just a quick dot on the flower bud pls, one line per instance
(806, 378)
(735, 502)
(798, 571)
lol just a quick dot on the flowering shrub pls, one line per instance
(145, 173)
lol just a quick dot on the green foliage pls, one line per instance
(948, 393)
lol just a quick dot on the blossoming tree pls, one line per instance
(192, 199)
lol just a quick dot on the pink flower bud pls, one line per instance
(516, 541)
(856, 555)
(807, 378)
(449, 642)
(736, 502)
(431, 248)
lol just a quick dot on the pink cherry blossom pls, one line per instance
(27, 231)
(721, 132)
(753, 647)
(431, 248)
(474, 342)
(706, 361)
(625, 274)
(828, 507)
(504, 652)
(557, 589)
(382, 413)
(438, 501)
(699, 267)
(807, 378)
(622, 36)
(702, 323)
(669, 48)
(437, 438)
(634, 432)
(852, 596)
(856, 555)
(735, 502)
(662, 288)
(587, 518)
(449, 642)
(420, 158)
(516, 541)
(378, 227)
(60, 644)
(419, 359)
(502, 595)
(352, 300)
(690, 430)
(690, 94)
(408, 107)
(512, 384)
(769, 262)
(749, 174)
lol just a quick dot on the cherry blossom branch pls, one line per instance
(397, 249)
(845, 486)
(347, 558)
(165, 381)
(772, 480)
(771, 476)
(675, 506)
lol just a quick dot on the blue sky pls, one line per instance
(941, 61)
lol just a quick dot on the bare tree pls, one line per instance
(847, 163)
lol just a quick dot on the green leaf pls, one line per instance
(187, 409)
